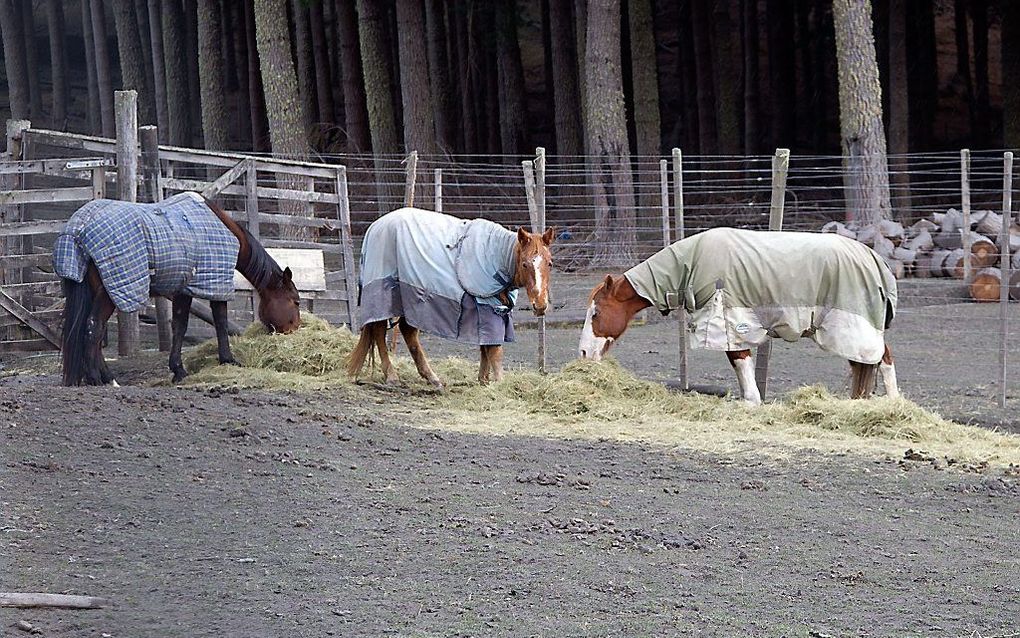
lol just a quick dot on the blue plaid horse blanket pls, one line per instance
(174, 245)
(441, 273)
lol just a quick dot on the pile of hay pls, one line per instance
(603, 400)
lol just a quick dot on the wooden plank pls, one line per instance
(26, 345)
(24, 261)
(126, 107)
(11, 305)
(346, 242)
(201, 309)
(72, 140)
(60, 601)
(226, 179)
(306, 265)
(46, 196)
(226, 160)
(411, 177)
(32, 228)
(680, 232)
(49, 317)
(251, 201)
(34, 287)
(180, 184)
(73, 169)
(437, 193)
(294, 243)
(780, 168)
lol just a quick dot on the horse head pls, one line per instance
(611, 306)
(534, 266)
(279, 304)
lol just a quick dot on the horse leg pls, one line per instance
(388, 369)
(862, 380)
(413, 341)
(888, 369)
(484, 367)
(181, 312)
(219, 314)
(496, 362)
(744, 367)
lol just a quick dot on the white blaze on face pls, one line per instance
(536, 263)
(591, 347)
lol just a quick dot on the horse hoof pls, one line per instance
(230, 362)
(179, 376)
(114, 383)
(437, 384)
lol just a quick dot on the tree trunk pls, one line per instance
(513, 132)
(899, 112)
(609, 157)
(824, 81)
(1010, 12)
(922, 74)
(235, 25)
(191, 65)
(58, 62)
(419, 126)
(94, 124)
(581, 44)
(782, 72)
(726, 70)
(466, 53)
(375, 59)
(158, 70)
(141, 12)
(355, 115)
(565, 90)
(178, 116)
(103, 78)
(132, 62)
(963, 56)
(749, 17)
(982, 114)
(283, 103)
(323, 68)
(256, 93)
(435, 26)
(210, 69)
(32, 60)
(707, 130)
(12, 29)
(688, 70)
(305, 64)
(549, 91)
(644, 78)
(866, 177)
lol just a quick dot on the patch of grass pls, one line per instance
(603, 400)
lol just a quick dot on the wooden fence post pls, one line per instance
(1007, 217)
(664, 197)
(540, 228)
(680, 232)
(965, 204)
(153, 189)
(411, 179)
(780, 167)
(13, 212)
(439, 190)
(126, 107)
(347, 245)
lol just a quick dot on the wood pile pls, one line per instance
(936, 248)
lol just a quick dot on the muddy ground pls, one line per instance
(219, 513)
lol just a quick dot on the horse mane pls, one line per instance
(260, 268)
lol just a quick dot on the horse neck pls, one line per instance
(633, 303)
(253, 262)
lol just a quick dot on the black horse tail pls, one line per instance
(74, 341)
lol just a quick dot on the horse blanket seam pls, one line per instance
(441, 273)
(178, 244)
(742, 287)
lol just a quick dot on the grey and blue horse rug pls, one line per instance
(741, 287)
(442, 274)
(178, 244)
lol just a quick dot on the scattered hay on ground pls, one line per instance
(596, 401)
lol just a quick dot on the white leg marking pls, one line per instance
(889, 379)
(745, 377)
(115, 384)
(591, 347)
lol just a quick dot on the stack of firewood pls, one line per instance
(935, 248)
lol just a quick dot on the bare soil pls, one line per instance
(212, 512)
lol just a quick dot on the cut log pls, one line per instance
(906, 255)
(989, 224)
(923, 267)
(923, 225)
(893, 231)
(947, 263)
(986, 284)
(983, 252)
(1014, 286)
(839, 229)
(1016, 261)
(62, 601)
(949, 221)
(895, 266)
(949, 241)
(921, 241)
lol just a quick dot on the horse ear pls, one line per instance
(522, 235)
(608, 284)
(288, 276)
(548, 236)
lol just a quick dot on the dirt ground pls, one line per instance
(244, 513)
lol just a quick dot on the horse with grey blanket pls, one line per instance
(450, 277)
(743, 287)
